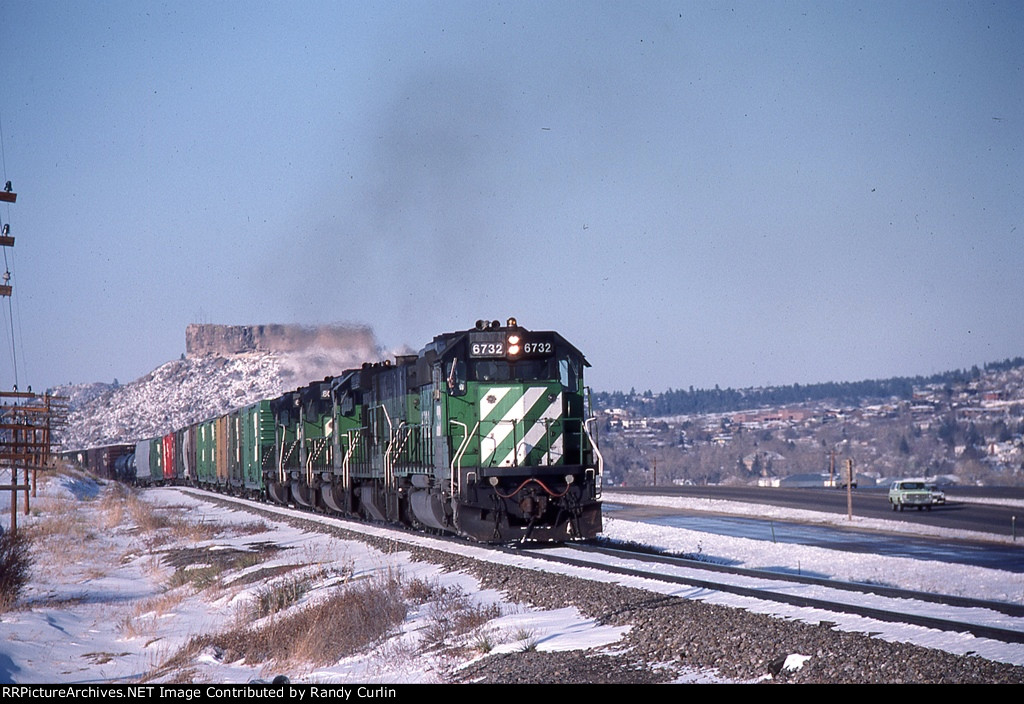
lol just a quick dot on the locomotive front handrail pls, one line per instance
(456, 465)
(346, 462)
(318, 446)
(593, 446)
(388, 474)
(401, 442)
(391, 453)
(284, 457)
(458, 454)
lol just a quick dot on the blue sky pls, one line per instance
(694, 193)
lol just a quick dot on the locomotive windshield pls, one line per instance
(509, 356)
(566, 369)
(500, 370)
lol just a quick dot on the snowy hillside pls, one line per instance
(190, 390)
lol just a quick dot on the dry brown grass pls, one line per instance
(356, 617)
(155, 525)
(15, 568)
(62, 536)
(58, 518)
(277, 596)
(348, 621)
(418, 591)
(205, 568)
(102, 658)
(454, 620)
(142, 618)
(250, 528)
(113, 505)
(296, 622)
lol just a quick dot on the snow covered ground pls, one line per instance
(100, 609)
(103, 605)
(908, 573)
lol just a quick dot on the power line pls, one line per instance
(8, 196)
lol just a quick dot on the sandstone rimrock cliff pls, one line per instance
(227, 340)
(228, 366)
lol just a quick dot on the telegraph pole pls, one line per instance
(26, 419)
(849, 489)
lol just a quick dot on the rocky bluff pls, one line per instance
(228, 340)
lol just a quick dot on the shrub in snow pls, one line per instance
(15, 568)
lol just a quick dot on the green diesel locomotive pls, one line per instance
(484, 433)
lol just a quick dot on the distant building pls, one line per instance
(804, 480)
(780, 415)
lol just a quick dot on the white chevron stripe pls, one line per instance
(486, 405)
(486, 408)
(507, 423)
(535, 434)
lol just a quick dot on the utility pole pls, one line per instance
(6, 240)
(849, 489)
(26, 419)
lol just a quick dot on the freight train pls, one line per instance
(484, 434)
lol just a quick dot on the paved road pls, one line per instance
(960, 512)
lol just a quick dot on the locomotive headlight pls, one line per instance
(513, 344)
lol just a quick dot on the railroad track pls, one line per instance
(999, 621)
(984, 619)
